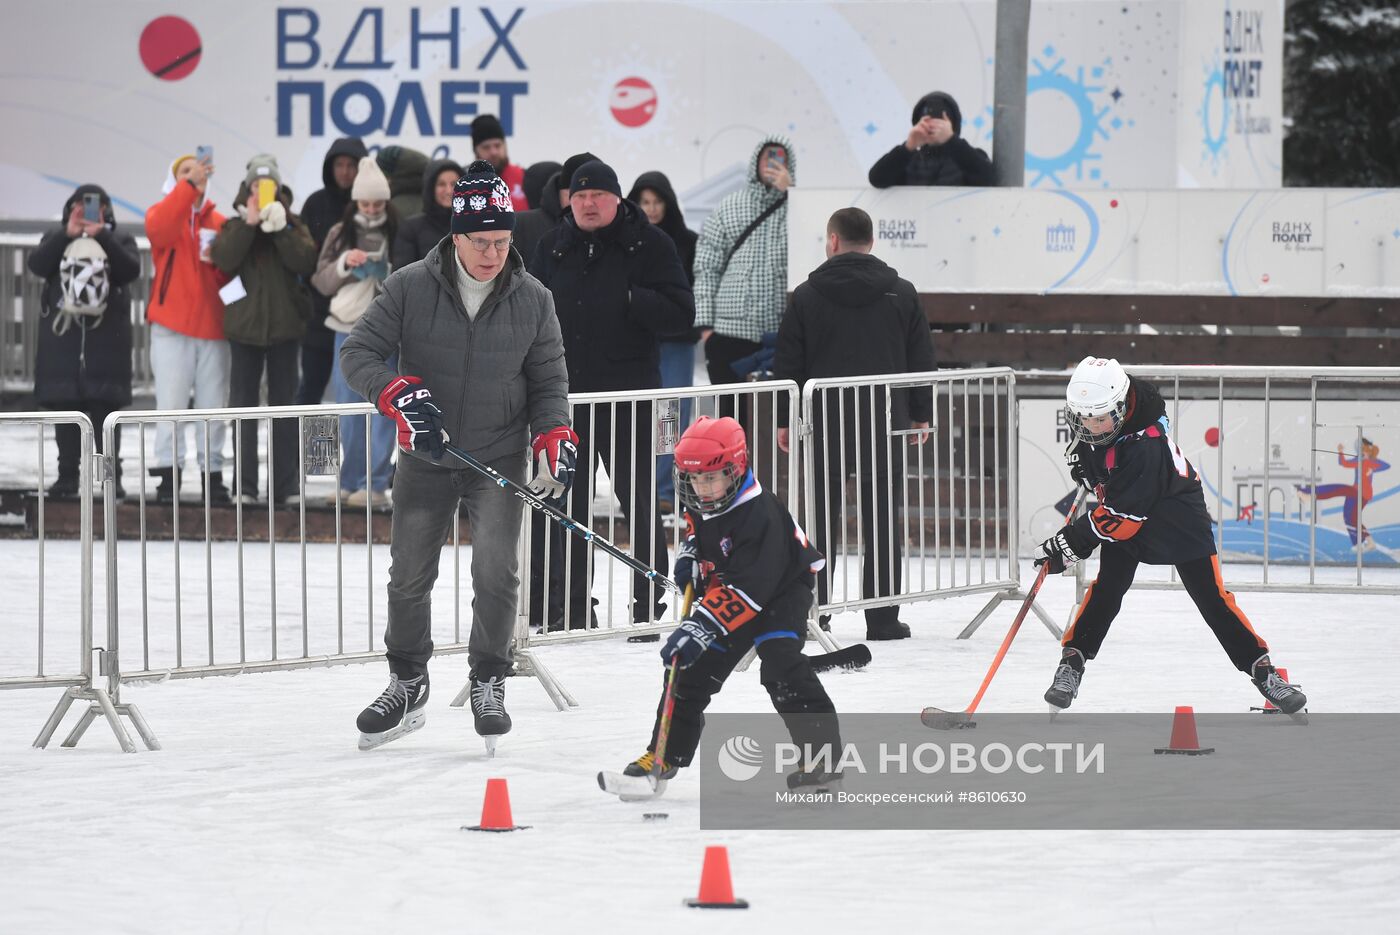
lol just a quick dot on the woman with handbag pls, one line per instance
(351, 271)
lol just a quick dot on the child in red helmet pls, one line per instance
(753, 570)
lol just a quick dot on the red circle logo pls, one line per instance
(1213, 437)
(633, 102)
(170, 48)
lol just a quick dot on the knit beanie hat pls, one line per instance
(262, 166)
(481, 201)
(597, 175)
(370, 183)
(487, 127)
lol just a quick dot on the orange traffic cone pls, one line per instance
(1184, 735)
(1269, 705)
(495, 809)
(716, 889)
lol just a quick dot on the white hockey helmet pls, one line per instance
(1097, 388)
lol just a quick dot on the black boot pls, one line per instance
(165, 491)
(215, 489)
(1068, 674)
(889, 629)
(399, 708)
(65, 488)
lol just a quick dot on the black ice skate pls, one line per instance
(1284, 696)
(814, 782)
(636, 782)
(489, 709)
(1065, 688)
(398, 710)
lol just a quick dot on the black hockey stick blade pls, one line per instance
(850, 658)
(938, 719)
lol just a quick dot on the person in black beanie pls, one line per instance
(934, 153)
(481, 366)
(489, 144)
(532, 225)
(618, 287)
(422, 232)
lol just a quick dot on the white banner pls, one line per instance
(1289, 242)
(686, 87)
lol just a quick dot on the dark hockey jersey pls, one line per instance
(1150, 500)
(757, 553)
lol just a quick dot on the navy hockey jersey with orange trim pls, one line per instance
(1150, 500)
(757, 551)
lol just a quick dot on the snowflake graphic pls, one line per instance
(1081, 96)
(1215, 115)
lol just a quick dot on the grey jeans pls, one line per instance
(425, 501)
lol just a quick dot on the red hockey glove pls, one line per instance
(555, 453)
(410, 404)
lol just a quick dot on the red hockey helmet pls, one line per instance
(711, 446)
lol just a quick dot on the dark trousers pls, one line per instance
(632, 473)
(721, 351)
(796, 692)
(279, 362)
(316, 363)
(878, 498)
(70, 440)
(1200, 577)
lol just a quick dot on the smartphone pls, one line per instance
(778, 159)
(267, 192)
(205, 154)
(92, 207)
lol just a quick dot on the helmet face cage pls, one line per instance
(733, 473)
(1081, 431)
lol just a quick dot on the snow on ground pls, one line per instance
(259, 815)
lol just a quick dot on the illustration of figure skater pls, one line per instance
(1366, 466)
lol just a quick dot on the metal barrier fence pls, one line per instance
(39, 635)
(21, 318)
(1267, 508)
(904, 519)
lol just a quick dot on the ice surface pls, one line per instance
(261, 816)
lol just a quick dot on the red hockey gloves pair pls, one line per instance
(1063, 549)
(420, 422)
(555, 454)
(689, 641)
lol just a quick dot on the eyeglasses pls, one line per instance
(481, 245)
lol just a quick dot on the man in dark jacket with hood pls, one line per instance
(84, 355)
(618, 288)
(854, 316)
(934, 153)
(422, 232)
(324, 209)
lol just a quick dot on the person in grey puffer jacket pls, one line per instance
(740, 268)
(472, 324)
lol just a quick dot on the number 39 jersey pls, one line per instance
(1150, 499)
(757, 551)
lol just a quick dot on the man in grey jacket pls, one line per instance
(471, 323)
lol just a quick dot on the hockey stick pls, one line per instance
(668, 707)
(850, 658)
(562, 518)
(937, 718)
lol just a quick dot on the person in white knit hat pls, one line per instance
(353, 265)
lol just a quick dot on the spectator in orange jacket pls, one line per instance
(188, 350)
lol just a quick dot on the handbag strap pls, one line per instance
(753, 226)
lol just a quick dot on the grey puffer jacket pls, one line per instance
(496, 379)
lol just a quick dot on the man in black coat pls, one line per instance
(324, 209)
(854, 316)
(934, 152)
(83, 360)
(618, 286)
(534, 225)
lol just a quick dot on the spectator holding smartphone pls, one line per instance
(84, 354)
(188, 350)
(741, 264)
(269, 250)
(934, 153)
(351, 271)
